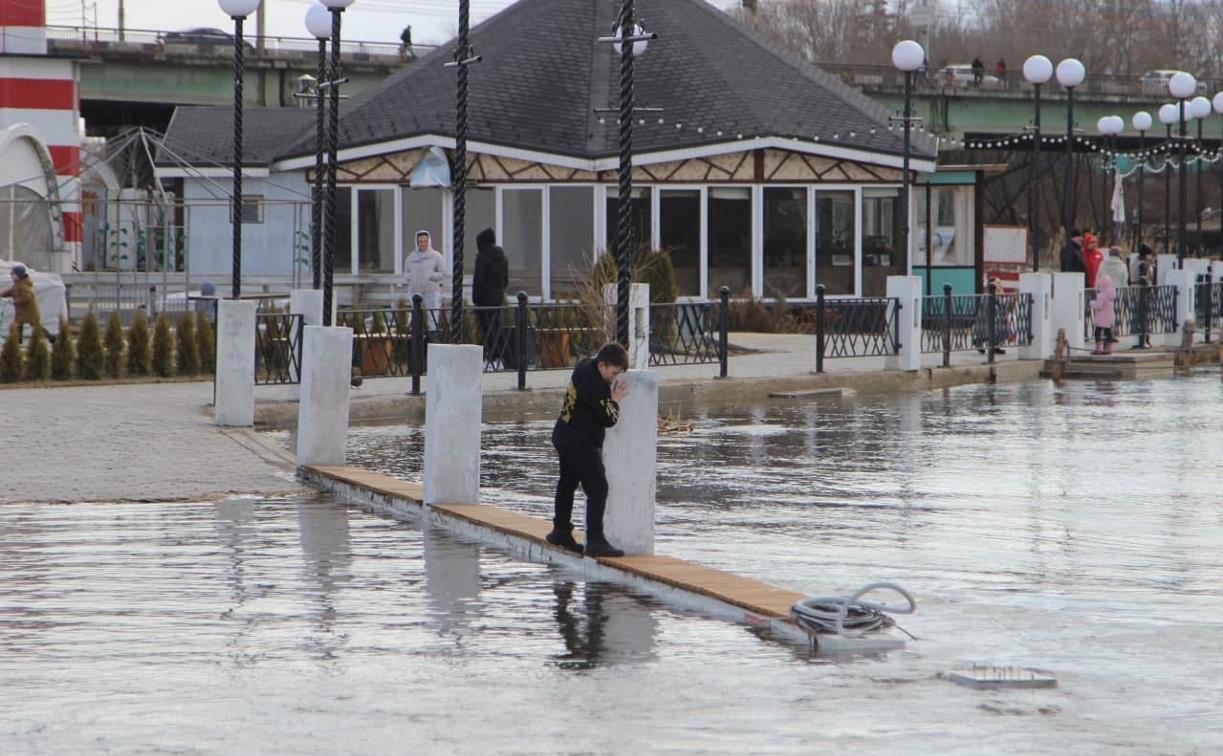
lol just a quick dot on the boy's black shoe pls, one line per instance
(599, 547)
(564, 539)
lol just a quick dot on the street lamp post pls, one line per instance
(318, 22)
(462, 59)
(633, 41)
(908, 56)
(1217, 103)
(1070, 74)
(1141, 121)
(1181, 86)
(333, 144)
(1199, 108)
(1167, 116)
(1109, 127)
(1036, 70)
(238, 10)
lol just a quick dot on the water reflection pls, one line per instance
(452, 579)
(326, 556)
(602, 625)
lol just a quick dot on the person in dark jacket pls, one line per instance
(591, 406)
(1072, 254)
(25, 303)
(488, 285)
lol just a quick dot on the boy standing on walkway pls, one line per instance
(591, 407)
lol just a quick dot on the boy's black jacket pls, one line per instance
(588, 409)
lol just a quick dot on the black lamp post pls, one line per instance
(1167, 116)
(1070, 74)
(1036, 70)
(1141, 121)
(318, 22)
(333, 131)
(462, 59)
(908, 56)
(1182, 86)
(1199, 108)
(238, 10)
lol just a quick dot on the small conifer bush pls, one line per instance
(38, 357)
(207, 343)
(90, 358)
(163, 348)
(186, 350)
(138, 345)
(10, 357)
(113, 341)
(62, 354)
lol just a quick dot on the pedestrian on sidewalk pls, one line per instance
(24, 302)
(426, 270)
(591, 406)
(1071, 257)
(488, 285)
(1103, 316)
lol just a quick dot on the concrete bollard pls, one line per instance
(908, 291)
(235, 376)
(1184, 281)
(452, 424)
(1040, 287)
(1164, 264)
(630, 456)
(322, 411)
(639, 322)
(1069, 303)
(309, 304)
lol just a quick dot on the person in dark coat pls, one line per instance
(488, 285)
(591, 406)
(24, 301)
(1072, 254)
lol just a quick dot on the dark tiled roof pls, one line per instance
(202, 136)
(544, 72)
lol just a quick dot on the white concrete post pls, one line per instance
(907, 290)
(1069, 301)
(235, 377)
(452, 424)
(1184, 281)
(1040, 287)
(1164, 264)
(639, 321)
(322, 411)
(1216, 271)
(639, 333)
(630, 456)
(309, 304)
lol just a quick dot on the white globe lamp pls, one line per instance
(1070, 73)
(1167, 114)
(1141, 121)
(1182, 85)
(1199, 107)
(638, 47)
(1037, 69)
(1217, 101)
(318, 22)
(908, 55)
(238, 8)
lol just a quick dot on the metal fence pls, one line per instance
(393, 341)
(278, 347)
(1209, 308)
(1137, 311)
(866, 327)
(960, 322)
(203, 42)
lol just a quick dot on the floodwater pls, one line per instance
(1077, 529)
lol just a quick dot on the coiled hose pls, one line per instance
(849, 616)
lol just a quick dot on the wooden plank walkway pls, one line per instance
(754, 596)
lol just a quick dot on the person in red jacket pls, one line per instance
(1092, 257)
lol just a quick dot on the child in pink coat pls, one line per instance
(1102, 314)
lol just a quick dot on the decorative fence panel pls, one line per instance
(960, 322)
(1209, 309)
(687, 333)
(278, 348)
(867, 327)
(1137, 310)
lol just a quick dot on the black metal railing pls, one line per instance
(960, 322)
(1208, 311)
(865, 327)
(686, 333)
(278, 347)
(1137, 311)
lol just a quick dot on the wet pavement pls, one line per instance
(1077, 529)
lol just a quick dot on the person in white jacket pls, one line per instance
(426, 271)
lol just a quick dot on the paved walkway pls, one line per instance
(138, 442)
(131, 442)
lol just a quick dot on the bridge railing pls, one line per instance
(960, 81)
(100, 39)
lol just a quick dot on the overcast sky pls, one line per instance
(373, 20)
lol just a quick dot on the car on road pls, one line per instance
(203, 36)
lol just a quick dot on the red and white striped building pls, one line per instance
(40, 143)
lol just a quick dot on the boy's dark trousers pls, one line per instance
(580, 463)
